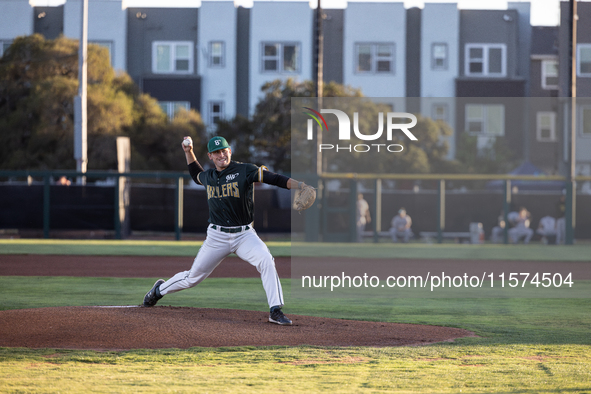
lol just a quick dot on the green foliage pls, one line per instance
(266, 138)
(241, 136)
(423, 156)
(38, 83)
(496, 158)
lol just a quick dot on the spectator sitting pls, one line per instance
(363, 216)
(400, 226)
(64, 181)
(547, 229)
(521, 229)
(497, 231)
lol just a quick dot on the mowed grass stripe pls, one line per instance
(112, 247)
(533, 252)
(438, 368)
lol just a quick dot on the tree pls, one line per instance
(266, 138)
(426, 155)
(38, 82)
(495, 158)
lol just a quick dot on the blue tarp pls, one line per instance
(528, 168)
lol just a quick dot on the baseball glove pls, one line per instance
(304, 197)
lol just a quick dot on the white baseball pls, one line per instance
(188, 141)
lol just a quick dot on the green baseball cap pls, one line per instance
(217, 143)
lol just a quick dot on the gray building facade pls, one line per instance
(162, 57)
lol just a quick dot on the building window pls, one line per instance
(550, 74)
(485, 119)
(374, 58)
(108, 45)
(439, 56)
(172, 57)
(280, 57)
(439, 112)
(171, 108)
(216, 54)
(486, 60)
(585, 121)
(216, 112)
(4, 45)
(546, 126)
(584, 60)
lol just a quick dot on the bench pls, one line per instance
(428, 236)
(369, 234)
(462, 237)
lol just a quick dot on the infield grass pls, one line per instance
(524, 346)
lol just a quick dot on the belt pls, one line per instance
(230, 230)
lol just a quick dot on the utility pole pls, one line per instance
(571, 193)
(319, 79)
(80, 120)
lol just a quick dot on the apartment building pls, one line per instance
(439, 61)
(162, 56)
(16, 19)
(217, 60)
(545, 139)
(107, 27)
(471, 68)
(281, 44)
(583, 84)
(490, 75)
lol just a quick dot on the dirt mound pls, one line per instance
(123, 328)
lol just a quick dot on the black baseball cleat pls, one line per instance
(152, 297)
(277, 317)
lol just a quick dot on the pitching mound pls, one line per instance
(123, 328)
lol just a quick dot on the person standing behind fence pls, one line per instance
(400, 226)
(561, 221)
(362, 216)
(521, 228)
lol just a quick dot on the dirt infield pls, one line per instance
(114, 327)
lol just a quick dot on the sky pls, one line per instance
(543, 12)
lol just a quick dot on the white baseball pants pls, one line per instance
(516, 233)
(218, 245)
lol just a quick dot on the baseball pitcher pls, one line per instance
(230, 198)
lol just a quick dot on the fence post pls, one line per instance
(569, 217)
(353, 211)
(377, 214)
(506, 207)
(441, 211)
(117, 218)
(312, 217)
(46, 206)
(178, 208)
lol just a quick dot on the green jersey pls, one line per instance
(230, 193)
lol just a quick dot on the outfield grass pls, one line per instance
(524, 345)
(432, 369)
(365, 250)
